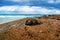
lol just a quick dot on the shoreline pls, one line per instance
(30, 17)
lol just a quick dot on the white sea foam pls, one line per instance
(4, 19)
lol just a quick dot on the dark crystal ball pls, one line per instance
(32, 22)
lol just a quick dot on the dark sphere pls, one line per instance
(32, 22)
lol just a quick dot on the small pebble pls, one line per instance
(40, 31)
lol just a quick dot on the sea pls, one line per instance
(4, 18)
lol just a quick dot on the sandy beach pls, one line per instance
(48, 28)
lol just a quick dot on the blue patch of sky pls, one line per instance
(42, 3)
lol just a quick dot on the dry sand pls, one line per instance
(17, 30)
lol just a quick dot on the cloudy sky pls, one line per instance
(29, 6)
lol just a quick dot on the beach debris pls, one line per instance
(58, 18)
(32, 21)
